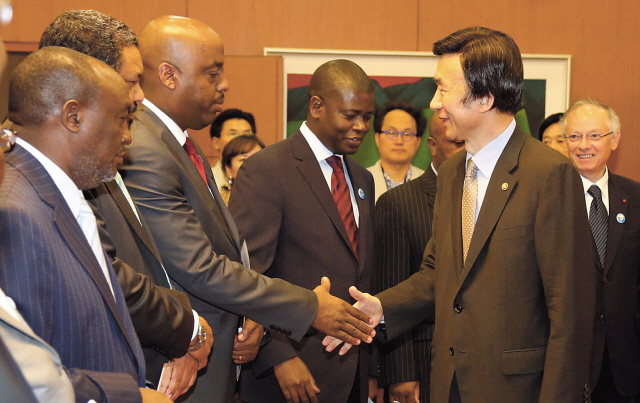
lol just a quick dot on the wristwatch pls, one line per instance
(201, 338)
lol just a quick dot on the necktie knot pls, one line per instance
(189, 147)
(595, 192)
(336, 163)
(472, 169)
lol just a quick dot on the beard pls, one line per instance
(87, 173)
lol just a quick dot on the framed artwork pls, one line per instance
(408, 76)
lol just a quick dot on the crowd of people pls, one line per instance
(133, 271)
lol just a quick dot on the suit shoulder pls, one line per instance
(628, 184)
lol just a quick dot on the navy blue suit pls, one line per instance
(50, 271)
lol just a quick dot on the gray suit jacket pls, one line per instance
(403, 220)
(200, 249)
(299, 236)
(48, 268)
(38, 370)
(515, 322)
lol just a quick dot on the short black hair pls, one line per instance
(416, 114)
(551, 119)
(237, 146)
(216, 126)
(45, 80)
(492, 65)
(90, 32)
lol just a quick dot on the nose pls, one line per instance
(436, 101)
(126, 136)
(136, 93)
(360, 124)
(223, 85)
(399, 139)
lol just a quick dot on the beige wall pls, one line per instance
(602, 36)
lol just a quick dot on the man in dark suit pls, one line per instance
(592, 131)
(505, 271)
(71, 114)
(172, 184)
(300, 236)
(403, 220)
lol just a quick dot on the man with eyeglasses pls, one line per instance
(398, 130)
(228, 125)
(592, 132)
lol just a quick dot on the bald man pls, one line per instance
(302, 234)
(171, 181)
(403, 220)
(72, 116)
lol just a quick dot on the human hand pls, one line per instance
(183, 376)
(153, 396)
(247, 343)
(366, 303)
(340, 320)
(296, 382)
(404, 392)
(202, 354)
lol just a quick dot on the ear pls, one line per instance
(71, 116)
(228, 171)
(167, 75)
(486, 103)
(315, 106)
(215, 141)
(431, 142)
(615, 140)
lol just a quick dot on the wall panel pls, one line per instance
(246, 26)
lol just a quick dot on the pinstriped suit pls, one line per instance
(50, 271)
(403, 221)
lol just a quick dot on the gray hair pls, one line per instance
(614, 120)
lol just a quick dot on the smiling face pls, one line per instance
(343, 118)
(459, 119)
(552, 137)
(99, 148)
(590, 157)
(231, 128)
(398, 151)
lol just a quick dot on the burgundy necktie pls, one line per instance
(342, 197)
(190, 148)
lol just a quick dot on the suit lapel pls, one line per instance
(495, 199)
(617, 205)
(150, 120)
(428, 181)
(310, 170)
(69, 228)
(457, 183)
(126, 209)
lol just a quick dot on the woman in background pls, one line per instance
(233, 155)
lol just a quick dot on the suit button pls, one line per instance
(601, 318)
(457, 308)
(451, 350)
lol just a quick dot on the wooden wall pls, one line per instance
(601, 35)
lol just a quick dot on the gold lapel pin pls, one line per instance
(505, 186)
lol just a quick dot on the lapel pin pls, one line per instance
(505, 186)
(624, 200)
(361, 193)
(621, 218)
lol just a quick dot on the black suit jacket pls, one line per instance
(162, 317)
(286, 212)
(515, 321)
(403, 220)
(617, 320)
(201, 250)
(48, 268)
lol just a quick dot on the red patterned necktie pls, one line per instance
(190, 148)
(342, 197)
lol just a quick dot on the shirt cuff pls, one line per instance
(196, 322)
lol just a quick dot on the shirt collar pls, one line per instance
(603, 184)
(487, 158)
(319, 150)
(173, 127)
(70, 192)
(434, 169)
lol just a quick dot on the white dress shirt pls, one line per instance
(486, 160)
(322, 153)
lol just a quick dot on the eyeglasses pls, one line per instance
(392, 135)
(234, 133)
(7, 140)
(595, 137)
